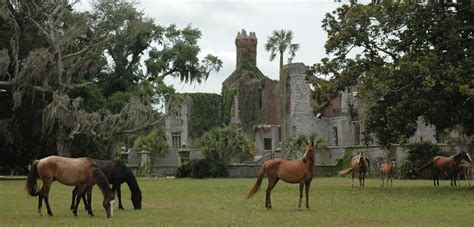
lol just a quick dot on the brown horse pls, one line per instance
(465, 169)
(359, 164)
(386, 171)
(441, 164)
(81, 172)
(290, 171)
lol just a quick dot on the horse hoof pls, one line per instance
(121, 208)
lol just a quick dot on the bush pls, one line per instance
(418, 154)
(202, 168)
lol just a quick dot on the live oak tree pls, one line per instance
(406, 61)
(69, 79)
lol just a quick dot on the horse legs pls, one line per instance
(40, 202)
(89, 201)
(74, 193)
(382, 178)
(80, 191)
(307, 185)
(45, 194)
(116, 187)
(272, 181)
(363, 179)
(391, 180)
(353, 173)
(301, 194)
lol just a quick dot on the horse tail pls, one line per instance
(255, 188)
(31, 184)
(344, 172)
(429, 164)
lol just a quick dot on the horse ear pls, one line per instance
(307, 142)
(312, 143)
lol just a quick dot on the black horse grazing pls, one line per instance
(117, 173)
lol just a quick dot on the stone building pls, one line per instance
(252, 100)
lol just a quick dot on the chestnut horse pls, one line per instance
(290, 171)
(359, 164)
(441, 164)
(387, 170)
(81, 172)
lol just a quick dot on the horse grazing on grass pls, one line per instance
(117, 173)
(81, 172)
(450, 165)
(465, 169)
(290, 171)
(360, 164)
(387, 170)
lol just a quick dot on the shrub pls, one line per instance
(203, 168)
(221, 145)
(419, 154)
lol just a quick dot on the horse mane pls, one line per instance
(131, 180)
(100, 178)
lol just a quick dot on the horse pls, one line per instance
(441, 164)
(465, 169)
(290, 171)
(386, 171)
(82, 172)
(117, 173)
(359, 164)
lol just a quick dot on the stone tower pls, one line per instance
(246, 50)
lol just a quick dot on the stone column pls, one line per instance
(145, 161)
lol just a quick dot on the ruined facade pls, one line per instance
(253, 101)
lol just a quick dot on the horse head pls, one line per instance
(393, 162)
(108, 203)
(361, 159)
(309, 152)
(463, 156)
(137, 201)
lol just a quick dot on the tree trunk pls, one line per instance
(63, 144)
(283, 105)
(111, 149)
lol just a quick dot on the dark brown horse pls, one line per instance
(386, 171)
(81, 172)
(441, 164)
(359, 164)
(290, 171)
(117, 173)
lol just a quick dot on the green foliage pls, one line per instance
(202, 168)
(296, 145)
(249, 110)
(205, 113)
(75, 83)
(418, 155)
(228, 100)
(409, 61)
(279, 42)
(154, 141)
(221, 145)
(178, 55)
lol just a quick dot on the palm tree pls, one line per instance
(280, 42)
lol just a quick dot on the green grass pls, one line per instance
(222, 202)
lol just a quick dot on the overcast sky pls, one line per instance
(219, 22)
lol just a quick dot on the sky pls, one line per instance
(220, 21)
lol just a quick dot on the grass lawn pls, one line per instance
(222, 202)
